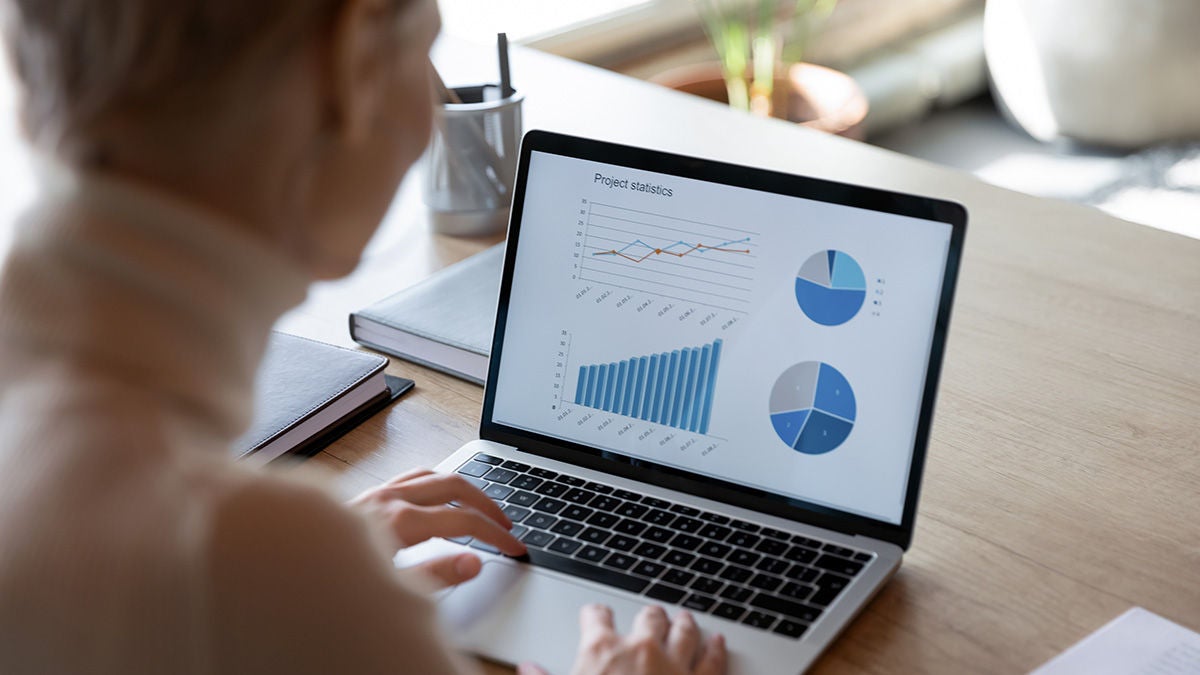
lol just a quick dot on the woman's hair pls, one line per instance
(79, 61)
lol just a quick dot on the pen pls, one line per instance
(506, 89)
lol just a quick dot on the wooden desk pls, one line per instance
(1063, 481)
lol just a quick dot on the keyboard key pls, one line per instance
(658, 534)
(565, 546)
(862, 557)
(595, 535)
(648, 569)
(477, 483)
(771, 547)
(543, 473)
(714, 518)
(699, 603)
(776, 534)
(665, 594)
(622, 543)
(803, 573)
(516, 466)
(486, 459)
(586, 570)
(736, 574)
(838, 550)
(522, 498)
(707, 586)
(567, 527)
(656, 503)
(766, 582)
(792, 629)
(801, 554)
(631, 510)
(619, 561)
(707, 566)
(773, 566)
(829, 586)
(515, 513)
(598, 487)
(744, 526)
(679, 558)
(593, 554)
(626, 494)
(464, 540)
(630, 527)
(796, 591)
(795, 610)
(484, 547)
(578, 496)
(714, 550)
(518, 531)
(736, 593)
(729, 611)
(548, 505)
(807, 542)
(602, 519)
(715, 532)
(759, 620)
(650, 551)
(551, 489)
(684, 524)
(476, 469)
(537, 538)
(604, 503)
(744, 558)
(686, 542)
(541, 521)
(678, 577)
(500, 475)
(839, 565)
(572, 481)
(658, 517)
(685, 510)
(525, 482)
(577, 512)
(498, 492)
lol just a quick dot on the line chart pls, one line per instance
(669, 256)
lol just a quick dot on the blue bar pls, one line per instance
(609, 386)
(619, 393)
(701, 382)
(669, 394)
(630, 383)
(648, 390)
(685, 355)
(589, 396)
(580, 385)
(689, 395)
(639, 387)
(660, 375)
(712, 382)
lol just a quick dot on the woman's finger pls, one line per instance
(409, 475)
(415, 524)
(451, 570)
(683, 641)
(435, 489)
(713, 659)
(652, 623)
(595, 626)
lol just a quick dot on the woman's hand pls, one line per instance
(416, 506)
(656, 645)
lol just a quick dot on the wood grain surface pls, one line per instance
(1063, 477)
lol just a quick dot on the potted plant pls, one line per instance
(759, 46)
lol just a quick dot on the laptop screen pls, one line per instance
(770, 341)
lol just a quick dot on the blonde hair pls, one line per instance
(78, 61)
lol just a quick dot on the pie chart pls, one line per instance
(812, 408)
(831, 288)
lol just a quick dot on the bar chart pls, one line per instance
(671, 388)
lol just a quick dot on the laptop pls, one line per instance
(711, 387)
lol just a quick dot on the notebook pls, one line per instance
(711, 388)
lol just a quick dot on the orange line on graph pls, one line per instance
(659, 251)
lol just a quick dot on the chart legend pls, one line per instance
(671, 388)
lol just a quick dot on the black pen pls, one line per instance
(506, 89)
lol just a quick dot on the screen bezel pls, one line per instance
(673, 478)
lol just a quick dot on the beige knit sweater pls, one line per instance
(131, 325)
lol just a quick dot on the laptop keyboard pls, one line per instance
(671, 553)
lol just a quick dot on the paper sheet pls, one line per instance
(1138, 642)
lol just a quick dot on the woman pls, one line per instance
(204, 161)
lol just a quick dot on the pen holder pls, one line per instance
(471, 162)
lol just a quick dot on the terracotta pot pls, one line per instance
(814, 96)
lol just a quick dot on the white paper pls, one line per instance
(1138, 642)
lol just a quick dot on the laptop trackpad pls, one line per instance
(513, 613)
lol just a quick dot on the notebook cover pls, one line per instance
(455, 307)
(300, 377)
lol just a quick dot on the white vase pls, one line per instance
(1123, 73)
